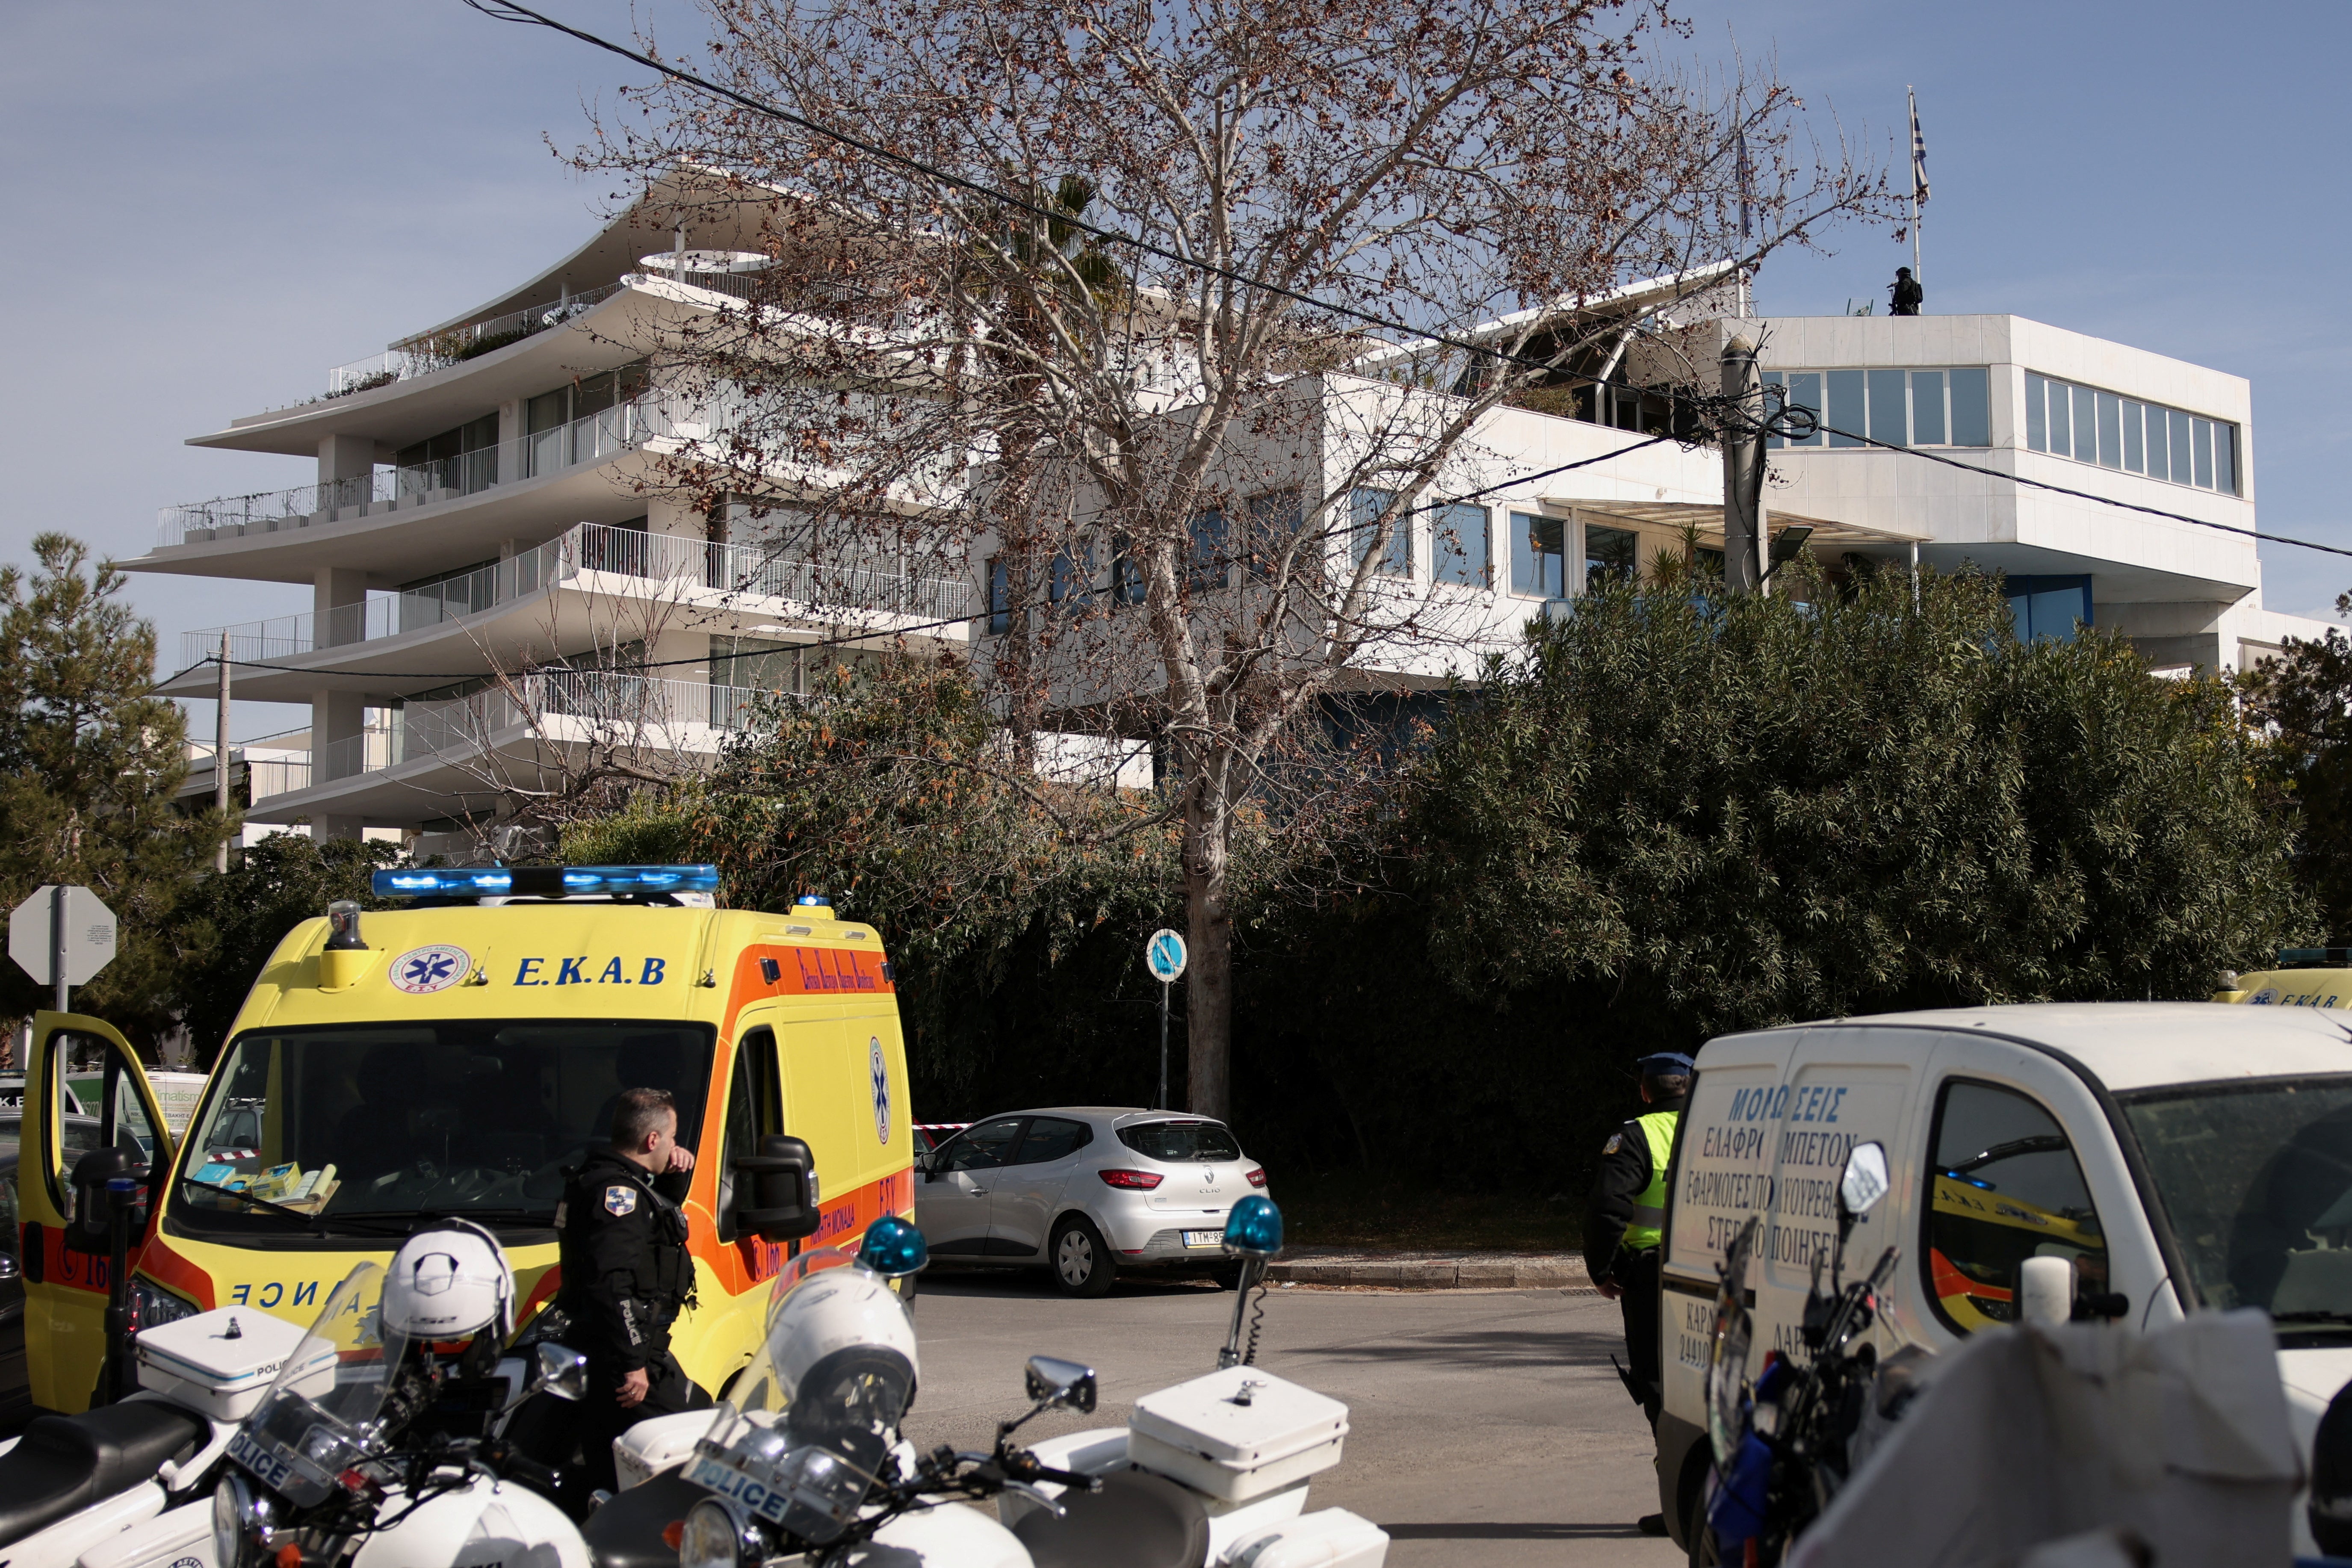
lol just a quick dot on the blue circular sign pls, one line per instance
(1164, 956)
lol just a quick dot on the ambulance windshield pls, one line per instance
(2257, 1184)
(474, 1117)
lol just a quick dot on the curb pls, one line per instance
(1491, 1271)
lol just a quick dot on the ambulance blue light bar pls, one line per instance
(541, 882)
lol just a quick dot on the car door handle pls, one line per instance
(979, 1191)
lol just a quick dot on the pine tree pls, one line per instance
(89, 763)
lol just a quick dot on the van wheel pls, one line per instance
(1082, 1264)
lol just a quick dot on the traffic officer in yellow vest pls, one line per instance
(1625, 1227)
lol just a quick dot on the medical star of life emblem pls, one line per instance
(422, 971)
(881, 1089)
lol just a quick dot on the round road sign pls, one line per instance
(1164, 956)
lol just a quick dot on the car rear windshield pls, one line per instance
(467, 1117)
(2257, 1184)
(1181, 1140)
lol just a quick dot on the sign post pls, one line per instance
(61, 936)
(1164, 956)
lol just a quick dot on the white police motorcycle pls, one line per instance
(805, 1462)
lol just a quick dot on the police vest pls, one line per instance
(1649, 1227)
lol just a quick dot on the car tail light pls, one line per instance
(1133, 1181)
(1257, 1177)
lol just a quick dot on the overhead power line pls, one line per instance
(511, 11)
(2086, 495)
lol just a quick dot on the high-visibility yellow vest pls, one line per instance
(1649, 1227)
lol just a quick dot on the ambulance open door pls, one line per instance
(64, 1281)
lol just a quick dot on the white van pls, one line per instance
(2181, 1154)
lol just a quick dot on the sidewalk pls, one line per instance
(1431, 1270)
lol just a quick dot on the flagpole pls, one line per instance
(1918, 274)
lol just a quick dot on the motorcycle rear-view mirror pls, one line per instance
(562, 1370)
(1067, 1384)
(1864, 1183)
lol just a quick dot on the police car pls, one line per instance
(2180, 1156)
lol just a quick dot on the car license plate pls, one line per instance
(1204, 1237)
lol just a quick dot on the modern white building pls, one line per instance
(503, 585)
(1979, 406)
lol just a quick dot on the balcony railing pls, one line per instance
(613, 707)
(667, 564)
(583, 440)
(429, 351)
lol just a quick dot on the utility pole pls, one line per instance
(1743, 469)
(220, 754)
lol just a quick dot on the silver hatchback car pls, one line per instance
(1085, 1191)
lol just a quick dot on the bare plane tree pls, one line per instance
(1168, 316)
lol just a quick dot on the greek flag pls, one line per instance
(1918, 155)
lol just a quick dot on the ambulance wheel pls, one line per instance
(1081, 1262)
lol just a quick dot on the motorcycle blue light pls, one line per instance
(1255, 1228)
(497, 881)
(893, 1247)
(814, 900)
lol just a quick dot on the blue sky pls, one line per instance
(217, 201)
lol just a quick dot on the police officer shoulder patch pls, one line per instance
(1616, 1142)
(621, 1200)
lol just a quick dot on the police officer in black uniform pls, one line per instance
(1624, 1223)
(626, 1274)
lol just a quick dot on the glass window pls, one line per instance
(1181, 1140)
(2007, 1188)
(1610, 555)
(1889, 407)
(1538, 556)
(2111, 431)
(1460, 540)
(1805, 392)
(1971, 407)
(2086, 424)
(2200, 445)
(1928, 407)
(1276, 517)
(2134, 441)
(2062, 426)
(2181, 471)
(1208, 531)
(980, 1148)
(1000, 596)
(754, 1109)
(1052, 1138)
(2037, 420)
(1127, 587)
(2225, 459)
(1846, 406)
(467, 1116)
(1072, 577)
(2257, 1185)
(1367, 507)
(2159, 465)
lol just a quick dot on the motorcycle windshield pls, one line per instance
(1726, 1369)
(812, 1421)
(323, 1413)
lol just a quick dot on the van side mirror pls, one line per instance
(776, 1190)
(90, 1229)
(1864, 1183)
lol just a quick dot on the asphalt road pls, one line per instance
(1486, 1427)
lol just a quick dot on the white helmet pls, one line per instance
(447, 1283)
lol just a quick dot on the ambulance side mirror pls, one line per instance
(776, 1191)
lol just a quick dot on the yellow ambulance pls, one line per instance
(452, 1057)
(2304, 978)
